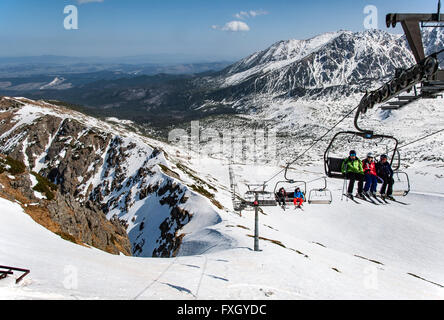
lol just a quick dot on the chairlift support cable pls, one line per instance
(311, 146)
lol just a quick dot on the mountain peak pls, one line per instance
(329, 59)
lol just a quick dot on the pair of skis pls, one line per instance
(298, 207)
(387, 200)
(364, 198)
(395, 201)
(379, 201)
(353, 198)
(372, 200)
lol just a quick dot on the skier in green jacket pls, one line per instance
(353, 170)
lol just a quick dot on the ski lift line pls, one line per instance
(318, 140)
(419, 139)
(422, 138)
(314, 143)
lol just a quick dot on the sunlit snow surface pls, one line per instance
(325, 254)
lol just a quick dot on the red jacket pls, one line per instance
(369, 167)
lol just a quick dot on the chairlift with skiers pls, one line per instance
(333, 164)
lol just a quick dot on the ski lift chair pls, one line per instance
(289, 187)
(239, 205)
(333, 165)
(265, 198)
(401, 188)
(320, 196)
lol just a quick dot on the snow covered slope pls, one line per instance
(346, 250)
(343, 251)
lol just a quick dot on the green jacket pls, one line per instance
(355, 166)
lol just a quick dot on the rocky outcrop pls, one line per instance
(170, 242)
(80, 223)
(88, 223)
(100, 176)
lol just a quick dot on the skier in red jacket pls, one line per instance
(371, 177)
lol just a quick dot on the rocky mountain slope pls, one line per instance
(342, 59)
(126, 176)
(301, 89)
(330, 66)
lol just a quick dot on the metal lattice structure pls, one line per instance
(238, 203)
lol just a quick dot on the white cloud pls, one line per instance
(234, 26)
(242, 15)
(258, 13)
(238, 25)
(250, 14)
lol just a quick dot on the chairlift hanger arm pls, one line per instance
(427, 69)
(411, 23)
(356, 121)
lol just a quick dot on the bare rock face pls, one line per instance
(89, 224)
(170, 242)
(73, 221)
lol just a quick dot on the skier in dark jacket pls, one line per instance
(282, 196)
(385, 172)
(353, 170)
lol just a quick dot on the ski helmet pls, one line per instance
(370, 155)
(384, 156)
(353, 153)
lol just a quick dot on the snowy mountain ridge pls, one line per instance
(345, 61)
(302, 88)
(282, 53)
(327, 67)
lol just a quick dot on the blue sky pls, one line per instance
(196, 28)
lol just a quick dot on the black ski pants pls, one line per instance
(352, 176)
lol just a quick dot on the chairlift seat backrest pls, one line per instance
(335, 167)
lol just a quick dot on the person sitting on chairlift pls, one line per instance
(353, 171)
(385, 172)
(282, 195)
(299, 198)
(371, 177)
